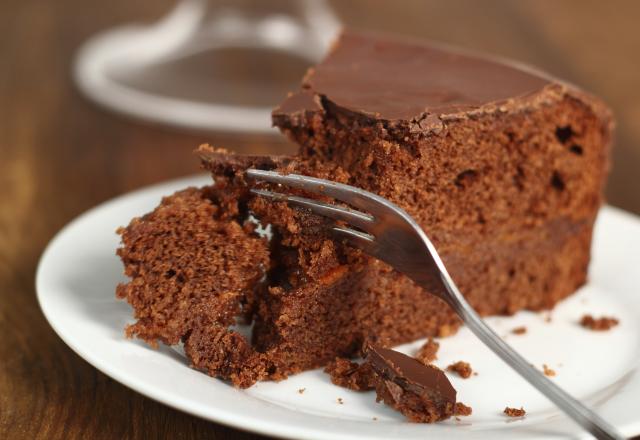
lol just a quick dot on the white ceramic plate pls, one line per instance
(79, 271)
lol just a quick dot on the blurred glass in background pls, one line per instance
(208, 64)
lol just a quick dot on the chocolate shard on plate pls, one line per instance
(421, 392)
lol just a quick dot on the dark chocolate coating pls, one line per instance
(410, 374)
(397, 79)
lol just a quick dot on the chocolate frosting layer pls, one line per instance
(410, 374)
(396, 79)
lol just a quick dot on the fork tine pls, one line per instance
(357, 197)
(354, 218)
(361, 240)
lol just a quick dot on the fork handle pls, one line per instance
(588, 419)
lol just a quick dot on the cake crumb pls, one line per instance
(514, 412)
(548, 371)
(340, 401)
(603, 323)
(350, 375)
(427, 353)
(462, 368)
(375, 419)
(460, 409)
(519, 330)
(547, 317)
(301, 390)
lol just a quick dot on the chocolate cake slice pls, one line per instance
(502, 166)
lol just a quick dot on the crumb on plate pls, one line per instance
(427, 352)
(462, 368)
(351, 375)
(514, 412)
(548, 371)
(460, 409)
(519, 330)
(603, 323)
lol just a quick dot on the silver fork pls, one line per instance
(386, 232)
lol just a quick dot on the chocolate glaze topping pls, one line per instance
(410, 374)
(399, 79)
(299, 102)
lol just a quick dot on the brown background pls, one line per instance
(60, 155)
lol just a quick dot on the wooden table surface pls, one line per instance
(60, 155)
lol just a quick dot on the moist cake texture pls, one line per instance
(351, 375)
(502, 166)
(189, 260)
